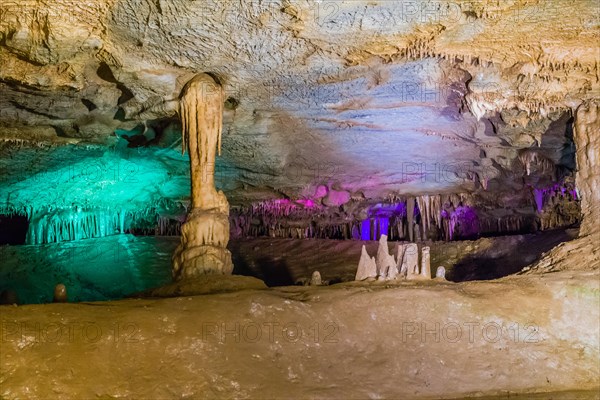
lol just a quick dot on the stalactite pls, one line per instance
(410, 212)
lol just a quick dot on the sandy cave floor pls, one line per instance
(519, 334)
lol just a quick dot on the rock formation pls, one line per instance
(386, 267)
(367, 267)
(60, 293)
(205, 234)
(425, 263)
(315, 279)
(587, 139)
(392, 269)
(583, 252)
(386, 264)
(411, 260)
(440, 273)
(400, 265)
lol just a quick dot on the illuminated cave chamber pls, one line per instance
(375, 199)
(484, 156)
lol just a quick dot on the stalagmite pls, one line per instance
(440, 273)
(382, 256)
(425, 263)
(205, 234)
(392, 269)
(400, 265)
(315, 279)
(411, 259)
(367, 268)
(60, 293)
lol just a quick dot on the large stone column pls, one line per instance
(205, 234)
(583, 252)
(587, 141)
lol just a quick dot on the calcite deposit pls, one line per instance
(205, 234)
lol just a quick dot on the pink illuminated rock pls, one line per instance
(320, 191)
(336, 198)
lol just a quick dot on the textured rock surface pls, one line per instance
(367, 266)
(311, 342)
(356, 94)
(587, 139)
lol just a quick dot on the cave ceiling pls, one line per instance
(366, 98)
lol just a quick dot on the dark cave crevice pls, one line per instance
(13, 229)
(511, 258)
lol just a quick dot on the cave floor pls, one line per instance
(519, 334)
(289, 261)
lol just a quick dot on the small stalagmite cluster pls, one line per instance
(405, 265)
(205, 234)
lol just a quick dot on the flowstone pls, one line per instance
(205, 234)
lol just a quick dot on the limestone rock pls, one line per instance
(205, 234)
(367, 267)
(440, 273)
(315, 279)
(392, 269)
(425, 263)
(411, 259)
(124, 62)
(400, 261)
(60, 293)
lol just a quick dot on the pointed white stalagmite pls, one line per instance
(367, 268)
(205, 234)
(386, 264)
(392, 270)
(411, 259)
(400, 265)
(425, 263)
(382, 253)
